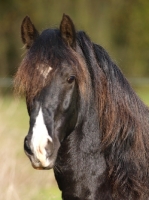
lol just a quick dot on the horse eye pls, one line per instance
(71, 79)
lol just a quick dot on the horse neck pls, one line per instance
(80, 159)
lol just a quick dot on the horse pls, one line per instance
(86, 121)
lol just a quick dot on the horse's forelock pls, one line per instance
(36, 69)
(30, 80)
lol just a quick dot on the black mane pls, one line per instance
(49, 48)
(124, 123)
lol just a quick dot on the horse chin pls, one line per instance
(41, 165)
(48, 164)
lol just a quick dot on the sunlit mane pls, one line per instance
(122, 123)
(40, 62)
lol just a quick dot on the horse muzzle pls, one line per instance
(42, 156)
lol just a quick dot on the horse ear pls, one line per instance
(68, 32)
(28, 32)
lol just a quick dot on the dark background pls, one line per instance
(121, 27)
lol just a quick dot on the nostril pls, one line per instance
(27, 147)
(49, 148)
(49, 142)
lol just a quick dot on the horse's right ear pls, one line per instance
(28, 32)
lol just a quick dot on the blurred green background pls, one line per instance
(121, 27)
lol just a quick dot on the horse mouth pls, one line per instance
(40, 166)
(43, 164)
(40, 160)
(43, 155)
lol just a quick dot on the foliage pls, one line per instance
(122, 27)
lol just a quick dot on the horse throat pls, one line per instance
(80, 164)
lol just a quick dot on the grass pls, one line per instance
(18, 180)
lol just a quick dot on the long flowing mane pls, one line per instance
(123, 118)
(124, 123)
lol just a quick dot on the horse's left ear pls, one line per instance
(68, 32)
(28, 32)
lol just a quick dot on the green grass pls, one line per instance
(18, 180)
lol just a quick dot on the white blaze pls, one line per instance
(40, 139)
(44, 71)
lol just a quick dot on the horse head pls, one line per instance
(53, 110)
